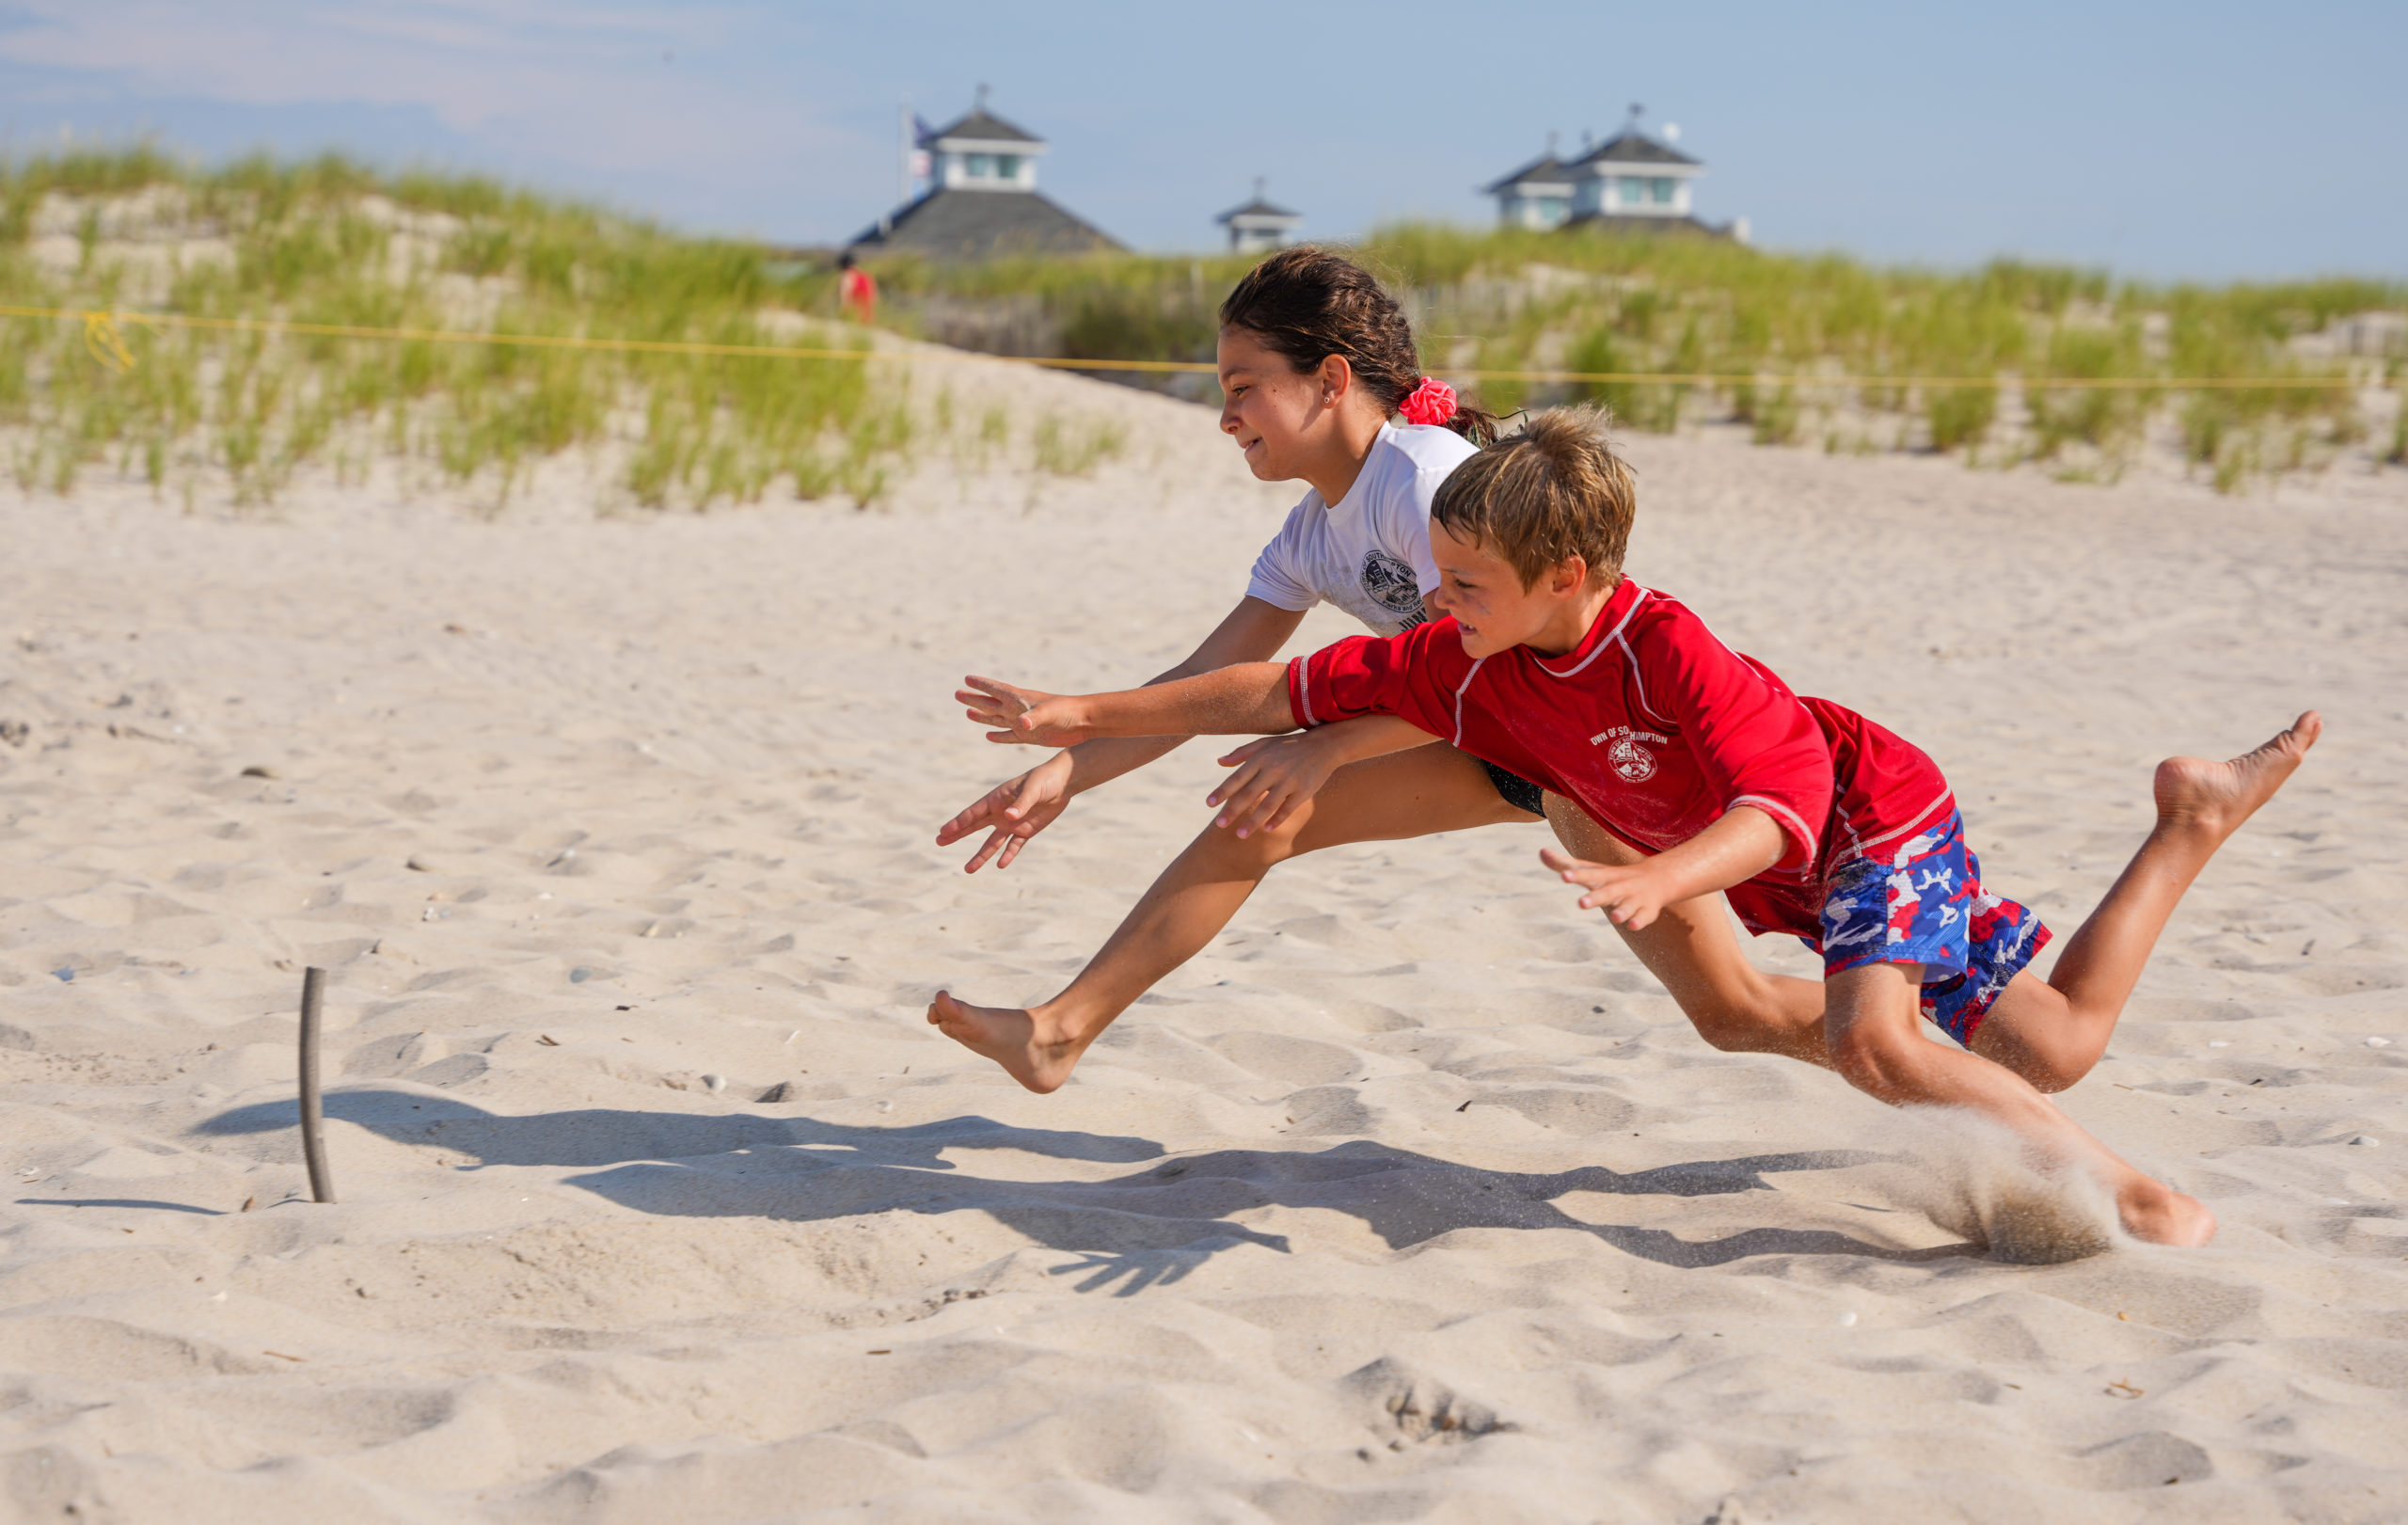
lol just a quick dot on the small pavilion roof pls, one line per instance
(1631, 146)
(1259, 207)
(980, 125)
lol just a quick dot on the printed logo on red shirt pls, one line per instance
(1631, 762)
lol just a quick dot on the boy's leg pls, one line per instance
(1874, 1028)
(1691, 950)
(2051, 1034)
(1404, 794)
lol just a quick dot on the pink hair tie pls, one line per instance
(1432, 402)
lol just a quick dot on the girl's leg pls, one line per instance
(1427, 789)
(2051, 1034)
(1875, 1032)
(1691, 949)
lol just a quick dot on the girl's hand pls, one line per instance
(1273, 777)
(1012, 812)
(1631, 895)
(1029, 717)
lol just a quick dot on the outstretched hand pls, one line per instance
(1275, 778)
(1632, 896)
(1011, 812)
(1029, 717)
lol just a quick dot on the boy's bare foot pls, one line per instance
(1035, 1053)
(2162, 1215)
(2216, 797)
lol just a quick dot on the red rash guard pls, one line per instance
(1657, 728)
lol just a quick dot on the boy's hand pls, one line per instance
(1012, 812)
(1273, 777)
(1027, 716)
(1633, 897)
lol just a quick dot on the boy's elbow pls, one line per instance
(1770, 838)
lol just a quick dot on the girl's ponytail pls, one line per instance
(1308, 304)
(1435, 401)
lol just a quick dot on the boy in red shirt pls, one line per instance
(1713, 775)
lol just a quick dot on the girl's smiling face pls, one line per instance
(1283, 418)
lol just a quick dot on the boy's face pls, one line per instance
(1492, 608)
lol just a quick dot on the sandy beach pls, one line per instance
(1414, 1197)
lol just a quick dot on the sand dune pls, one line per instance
(1414, 1198)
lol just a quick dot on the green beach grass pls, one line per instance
(329, 242)
(1810, 346)
(1674, 306)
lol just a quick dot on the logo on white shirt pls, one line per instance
(1390, 582)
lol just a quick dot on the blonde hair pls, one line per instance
(1552, 492)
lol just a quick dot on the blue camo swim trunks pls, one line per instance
(1924, 904)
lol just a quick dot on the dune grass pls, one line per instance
(1808, 346)
(330, 242)
(1670, 306)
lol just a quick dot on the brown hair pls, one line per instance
(1308, 304)
(1552, 492)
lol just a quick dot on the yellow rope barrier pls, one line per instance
(105, 340)
(108, 345)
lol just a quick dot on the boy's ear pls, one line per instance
(1568, 577)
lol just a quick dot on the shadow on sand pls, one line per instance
(1138, 1228)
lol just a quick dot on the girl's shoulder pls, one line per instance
(1426, 447)
(1405, 466)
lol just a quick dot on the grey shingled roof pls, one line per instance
(982, 125)
(1631, 146)
(949, 223)
(1259, 208)
(1640, 223)
(1545, 168)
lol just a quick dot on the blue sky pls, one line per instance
(2207, 140)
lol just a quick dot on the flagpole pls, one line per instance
(903, 167)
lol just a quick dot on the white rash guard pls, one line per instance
(1369, 555)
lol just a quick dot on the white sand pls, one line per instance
(1413, 1199)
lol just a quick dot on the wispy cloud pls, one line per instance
(623, 93)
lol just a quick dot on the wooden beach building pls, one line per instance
(1631, 182)
(981, 200)
(1260, 226)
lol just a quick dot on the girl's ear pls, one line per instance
(1336, 378)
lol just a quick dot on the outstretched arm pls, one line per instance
(1248, 699)
(1014, 811)
(1276, 774)
(1738, 847)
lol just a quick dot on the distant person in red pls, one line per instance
(856, 292)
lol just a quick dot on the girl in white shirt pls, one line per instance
(1314, 359)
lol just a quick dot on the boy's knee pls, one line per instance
(1732, 1032)
(2046, 1067)
(2048, 1079)
(2045, 1074)
(1875, 1059)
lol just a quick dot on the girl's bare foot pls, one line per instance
(2162, 1215)
(1036, 1051)
(2216, 797)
